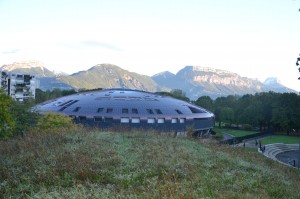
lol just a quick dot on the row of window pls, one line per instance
(134, 120)
(124, 110)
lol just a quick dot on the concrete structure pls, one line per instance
(126, 109)
(20, 87)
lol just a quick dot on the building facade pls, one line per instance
(21, 87)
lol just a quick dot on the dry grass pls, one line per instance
(93, 164)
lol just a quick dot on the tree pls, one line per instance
(205, 102)
(7, 122)
(24, 117)
(179, 94)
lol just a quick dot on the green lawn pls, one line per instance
(234, 132)
(96, 164)
(281, 139)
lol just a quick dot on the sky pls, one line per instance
(253, 38)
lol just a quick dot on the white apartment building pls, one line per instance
(20, 87)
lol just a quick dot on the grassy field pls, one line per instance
(93, 164)
(233, 132)
(281, 139)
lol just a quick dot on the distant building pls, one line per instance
(21, 87)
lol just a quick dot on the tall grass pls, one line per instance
(93, 164)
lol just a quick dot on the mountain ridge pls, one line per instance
(195, 81)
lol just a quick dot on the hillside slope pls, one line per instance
(138, 165)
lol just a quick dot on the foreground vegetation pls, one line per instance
(92, 164)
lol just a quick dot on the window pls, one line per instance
(182, 120)
(160, 120)
(158, 111)
(98, 119)
(134, 111)
(125, 110)
(174, 120)
(178, 111)
(109, 110)
(151, 120)
(76, 109)
(100, 110)
(124, 120)
(204, 118)
(135, 120)
(82, 118)
(108, 119)
(196, 110)
(150, 111)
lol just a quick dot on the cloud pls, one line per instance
(91, 43)
(12, 51)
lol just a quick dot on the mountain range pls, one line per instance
(195, 81)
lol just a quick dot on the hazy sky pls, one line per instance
(254, 38)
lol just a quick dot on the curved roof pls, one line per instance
(118, 103)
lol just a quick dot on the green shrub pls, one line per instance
(54, 121)
(247, 126)
(7, 122)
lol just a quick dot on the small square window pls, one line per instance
(174, 120)
(158, 111)
(82, 118)
(76, 109)
(124, 120)
(98, 119)
(125, 110)
(134, 111)
(178, 111)
(160, 120)
(182, 120)
(108, 119)
(150, 111)
(135, 120)
(100, 110)
(151, 120)
(109, 110)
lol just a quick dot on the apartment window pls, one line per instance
(158, 111)
(174, 120)
(134, 111)
(182, 120)
(151, 120)
(109, 110)
(150, 111)
(160, 120)
(124, 120)
(135, 120)
(76, 109)
(100, 110)
(125, 110)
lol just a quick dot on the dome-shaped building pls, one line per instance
(126, 108)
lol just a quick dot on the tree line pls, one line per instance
(267, 111)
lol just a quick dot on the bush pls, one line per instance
(53, 121)
(247, 127)
(7, 122)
